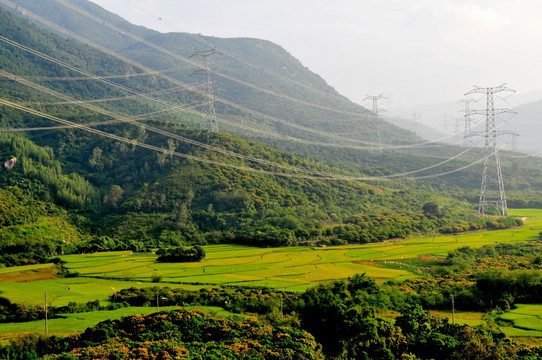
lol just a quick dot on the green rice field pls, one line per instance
(523, 321)
(98, 275)
(291, 269)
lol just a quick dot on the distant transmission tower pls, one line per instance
(491, 175)
(467, 115)
(209, 102)
(376, 111)
(415, 118)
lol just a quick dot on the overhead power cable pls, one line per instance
(135, 92)
(200, 159)
(154, 129)
(184, 109)
(123, 32)
(187, 140)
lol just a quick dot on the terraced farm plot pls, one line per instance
(292, 269)
(525, 321)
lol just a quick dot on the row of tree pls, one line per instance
(336, 321)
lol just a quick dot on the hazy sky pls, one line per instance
(415, 51)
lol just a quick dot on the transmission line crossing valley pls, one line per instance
(122, 32)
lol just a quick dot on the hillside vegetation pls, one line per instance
(120, 196)
(116, 176)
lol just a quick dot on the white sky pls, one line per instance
(414, 51)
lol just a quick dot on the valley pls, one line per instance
(299, 225)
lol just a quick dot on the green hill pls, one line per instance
(278, 93)
(263, 93)
(157, 182)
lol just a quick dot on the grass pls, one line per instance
(292, 269)
(525, 320)
(73, 323)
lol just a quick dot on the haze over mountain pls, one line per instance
(419, 52)
(269, 71)
(448, 119)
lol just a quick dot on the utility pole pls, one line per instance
(445, 123)
(376, 111)
(209, 101)
(415, 118)
(453, 309)
(46, 324)
(491, 174)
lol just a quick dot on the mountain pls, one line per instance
(256, 82)
(126, 168)
(527, 123)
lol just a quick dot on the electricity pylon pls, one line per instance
(376, 111)
(209, 100)
(491, 174)
(467, 115)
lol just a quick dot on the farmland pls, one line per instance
(98, 275)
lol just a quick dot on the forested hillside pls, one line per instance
(160, 182)
(264, 93)
(108, 149)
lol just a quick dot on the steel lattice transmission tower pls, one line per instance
(209, 102)
(491, 175)
(376, 111)
(467, 115)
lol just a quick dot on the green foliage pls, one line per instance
(261, 301)
(33, 231)
(341, 319)
(179, 333)
(429, 337)
(38, 165)
(153, 199)
(181, 254)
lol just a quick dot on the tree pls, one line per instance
(181, 254)
(433, 210)
(114, 196)
(95, 161)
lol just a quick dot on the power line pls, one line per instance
(243, 60)
(155, 99)
(146, 126)
(184, 109)
(134, 142)
(193, 142)
(144, 41)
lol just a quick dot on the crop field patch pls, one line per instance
(294, 268)
(525, 317)
(30, 275)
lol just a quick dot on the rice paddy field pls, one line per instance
(523, 321)
(98, 275)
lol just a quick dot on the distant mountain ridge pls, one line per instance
(266, 97)
(448, 118)
(129, 168)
